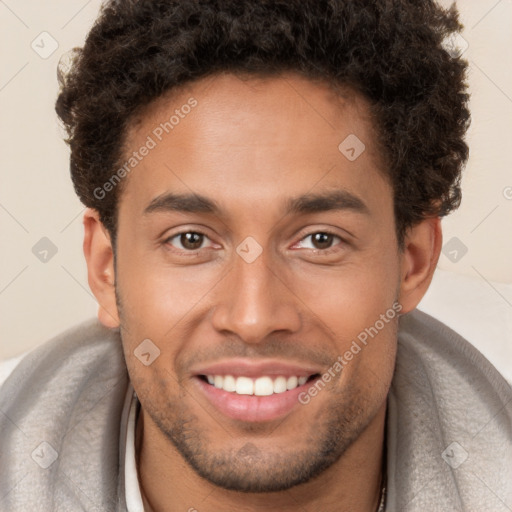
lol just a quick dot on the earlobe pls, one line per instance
(419, 260)
(100, 268)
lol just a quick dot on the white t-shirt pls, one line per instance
(131, 481)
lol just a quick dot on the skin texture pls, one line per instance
(251, 145)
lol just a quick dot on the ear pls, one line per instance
(422, 243)
(100, 268)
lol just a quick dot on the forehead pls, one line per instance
(261, 105)
(263, 134)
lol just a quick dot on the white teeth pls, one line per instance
(244, 386)
(291, 383)
(280, 385)
(229, 383)
(262, 386)
(218, 381)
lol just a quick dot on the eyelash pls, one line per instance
(185, 252)
(193, 252)
(329, 250)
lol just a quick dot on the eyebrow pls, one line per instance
(191, 203)
(336, 200)
(307, 203)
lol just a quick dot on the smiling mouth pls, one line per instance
(261, 386)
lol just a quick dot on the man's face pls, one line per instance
(287, 257)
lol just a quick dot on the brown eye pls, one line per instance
(191, 240)
(319, 241)
(322, 240)
(188, 241)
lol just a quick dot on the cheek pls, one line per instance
(156, 297)
(357, 309)
(352, 297)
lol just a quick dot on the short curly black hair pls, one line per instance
(393, 52)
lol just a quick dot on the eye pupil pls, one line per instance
(322, 240)
(191, 240)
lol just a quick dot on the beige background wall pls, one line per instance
(38, 299)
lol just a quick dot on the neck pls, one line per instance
(352, 483)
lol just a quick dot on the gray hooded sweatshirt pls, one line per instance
(449, 425)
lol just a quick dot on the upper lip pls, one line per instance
(254, 368)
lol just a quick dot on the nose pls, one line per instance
(254, 302)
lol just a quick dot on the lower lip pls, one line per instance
(250, 407)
